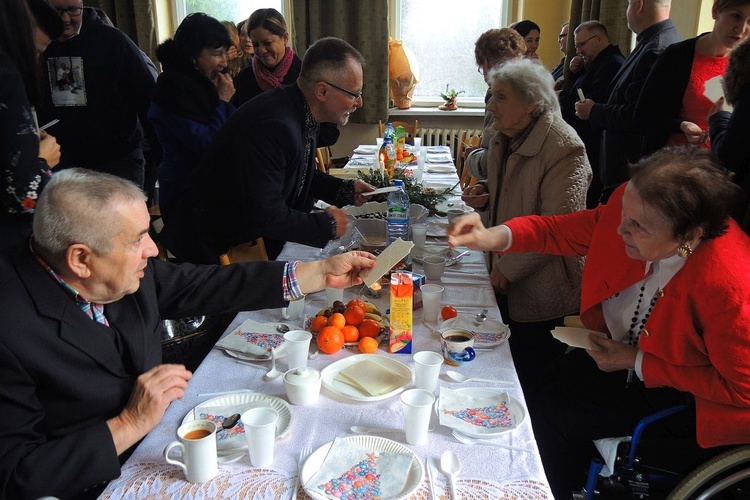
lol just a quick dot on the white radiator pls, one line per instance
(446, 136)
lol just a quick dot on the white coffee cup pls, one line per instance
(431, 297)
(419, 235)
(260, 433)
(197, 439)
(294, 310)
(417, 405)
(302, 386)
(453, 213)
(434, 267)
(427, 369)
(297, 345)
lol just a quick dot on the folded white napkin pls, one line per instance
(475, 414)
(253, 338)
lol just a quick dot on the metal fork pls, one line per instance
(304, 452)
(472, 441)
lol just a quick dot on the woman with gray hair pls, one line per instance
(537, 166)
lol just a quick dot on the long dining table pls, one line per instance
(487, 471)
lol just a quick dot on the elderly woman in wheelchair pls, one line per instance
(667, 279)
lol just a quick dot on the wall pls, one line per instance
(549, 16)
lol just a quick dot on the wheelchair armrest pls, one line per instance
(642, 426)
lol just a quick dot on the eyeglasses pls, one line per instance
(71, 11)
(580, 45)
(354, 95)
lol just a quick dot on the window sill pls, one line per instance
(434, 111)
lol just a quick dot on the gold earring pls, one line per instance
(684, 250)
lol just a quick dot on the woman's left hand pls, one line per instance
(614, 355)
(693, 132)
(224, 86)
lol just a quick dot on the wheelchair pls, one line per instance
(725, 476)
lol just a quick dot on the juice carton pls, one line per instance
(402, 289)
(419, 280)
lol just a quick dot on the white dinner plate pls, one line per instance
(489, 333)
(439, 169)
(351, 392)
(438, 186)
(438, 149)
(415, 474)
(450, 255)
(234, 438)
(367, 149)
(452, 203)
(437, 229)
(517, 411)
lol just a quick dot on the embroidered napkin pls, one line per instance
(481, 413)
(351, 471)
(253, 338)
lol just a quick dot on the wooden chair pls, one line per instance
(466, 179)
(323, 158)
(251, 251)
(411, 130)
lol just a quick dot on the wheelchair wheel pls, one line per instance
(716, 475)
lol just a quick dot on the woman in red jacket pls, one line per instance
(667, 278)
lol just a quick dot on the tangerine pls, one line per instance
(354, 315)
(330, 340)
(358, 303)
(351, 333)
(448, 312)
(369, 328)
(337, 320)
(368, 345)
(318, 323)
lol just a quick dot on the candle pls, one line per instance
(374, 291)
(382, 166)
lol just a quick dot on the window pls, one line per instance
(224, 10)
(441, 34)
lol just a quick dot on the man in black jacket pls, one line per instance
(602, 61)
(82, 307)
(259, 178)
(621, 141)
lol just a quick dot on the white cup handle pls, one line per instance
(168, 448)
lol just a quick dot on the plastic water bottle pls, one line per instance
(388, 154)
(397, 213)
(389, 132)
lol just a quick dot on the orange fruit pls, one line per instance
(318, 323)
(351, 333)
(330, 340)
(369, 328)
(357, 302)
(337, 320)
(354, 315)
(448, 312)
(368, 345)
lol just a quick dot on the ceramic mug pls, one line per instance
(197, 439)
(294, 310)
(457, 346)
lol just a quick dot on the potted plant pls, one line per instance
(449, 96)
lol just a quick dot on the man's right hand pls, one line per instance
(149, 399)
(576, 64)
(49, 149)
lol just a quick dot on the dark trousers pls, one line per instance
(580, 403)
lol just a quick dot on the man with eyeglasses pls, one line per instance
(562, 40)
(621, 142)
(109, 89)
(259, 178)
(602, 61)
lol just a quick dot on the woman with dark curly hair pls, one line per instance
(729, 129)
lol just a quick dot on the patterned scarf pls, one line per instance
(271, 78)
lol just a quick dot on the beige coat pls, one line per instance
(549, 174)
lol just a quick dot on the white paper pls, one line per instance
(713, 91)
(577, 337)
(381, 190)
(388, 258)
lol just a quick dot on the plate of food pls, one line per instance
(366, 377)
(374, 462)
(489, 333)
(219, 408)
(479, 412)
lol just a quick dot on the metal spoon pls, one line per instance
(460, 377)
(282, 328)
(450, 464)
(480, 317)
(273, 372)
(230, 421)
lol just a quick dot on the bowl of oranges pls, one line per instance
(356, 324)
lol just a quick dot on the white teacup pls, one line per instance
(434, 267)
(453, 213)
(302, 386)
(197, 439)
(294, 310)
